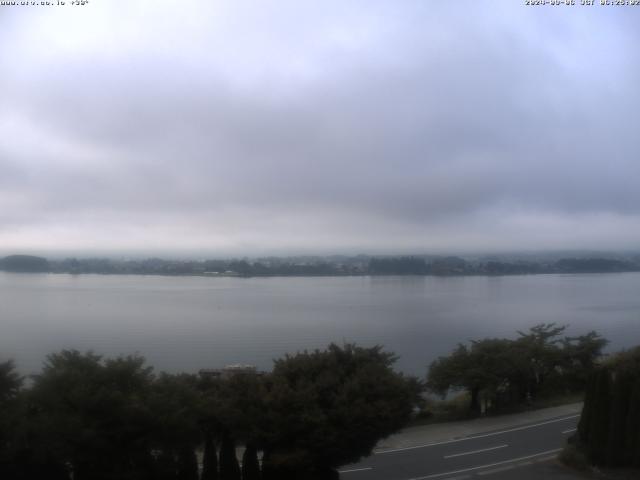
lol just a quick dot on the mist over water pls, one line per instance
(187, 323)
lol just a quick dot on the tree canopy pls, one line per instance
(508, 371)
(89, 417)
(331, 407)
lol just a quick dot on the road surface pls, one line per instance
(484, 455)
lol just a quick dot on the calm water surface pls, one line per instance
(186, 323)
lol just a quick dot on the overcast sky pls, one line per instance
(253, 127)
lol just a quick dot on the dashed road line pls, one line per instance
(504, 462)
(496, 470)
(476, 451)
(571, 430)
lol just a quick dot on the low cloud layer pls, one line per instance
(248, 128)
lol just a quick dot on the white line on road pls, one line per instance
(476, 436)
(571, 430)
(476, 451)
(496, 470)
(355, 470)
(545, 459)
(436, 475)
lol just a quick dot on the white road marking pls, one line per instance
(545, 459)
(513, 460)
(516, 429)
(496, 470)
(570, 430)
(476, 451)
(356, 470)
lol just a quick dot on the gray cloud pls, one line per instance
(355, 125)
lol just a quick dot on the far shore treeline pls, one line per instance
(328, 266)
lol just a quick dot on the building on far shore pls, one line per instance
(229, 371)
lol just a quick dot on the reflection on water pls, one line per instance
(186, 323)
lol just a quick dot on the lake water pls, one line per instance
(187, 323)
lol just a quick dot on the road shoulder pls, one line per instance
(442, 432)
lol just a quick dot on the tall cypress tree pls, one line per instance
(267, 471)
(632, 434)
(187, 464)
(586, 420)
(250, 464)
(210, 459)
(609, 430)
(599, 424)
(620, 393)
(166, 465)
(229, 468)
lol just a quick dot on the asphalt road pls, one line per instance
(482, 455)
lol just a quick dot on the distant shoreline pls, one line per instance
(329, 275)
(337, 266)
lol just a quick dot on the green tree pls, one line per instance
(10, 382)
(328, 408)
(504, 371)
(233, 411)
(540, 347)
(187, 463)
(484, 367)
(239, 407)
(609, 426)
(580, 357)
(10, 385)
(210, 458)
(92, 414)
(229, 468)
(632, 433)
(176, 405)
(250, 464)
